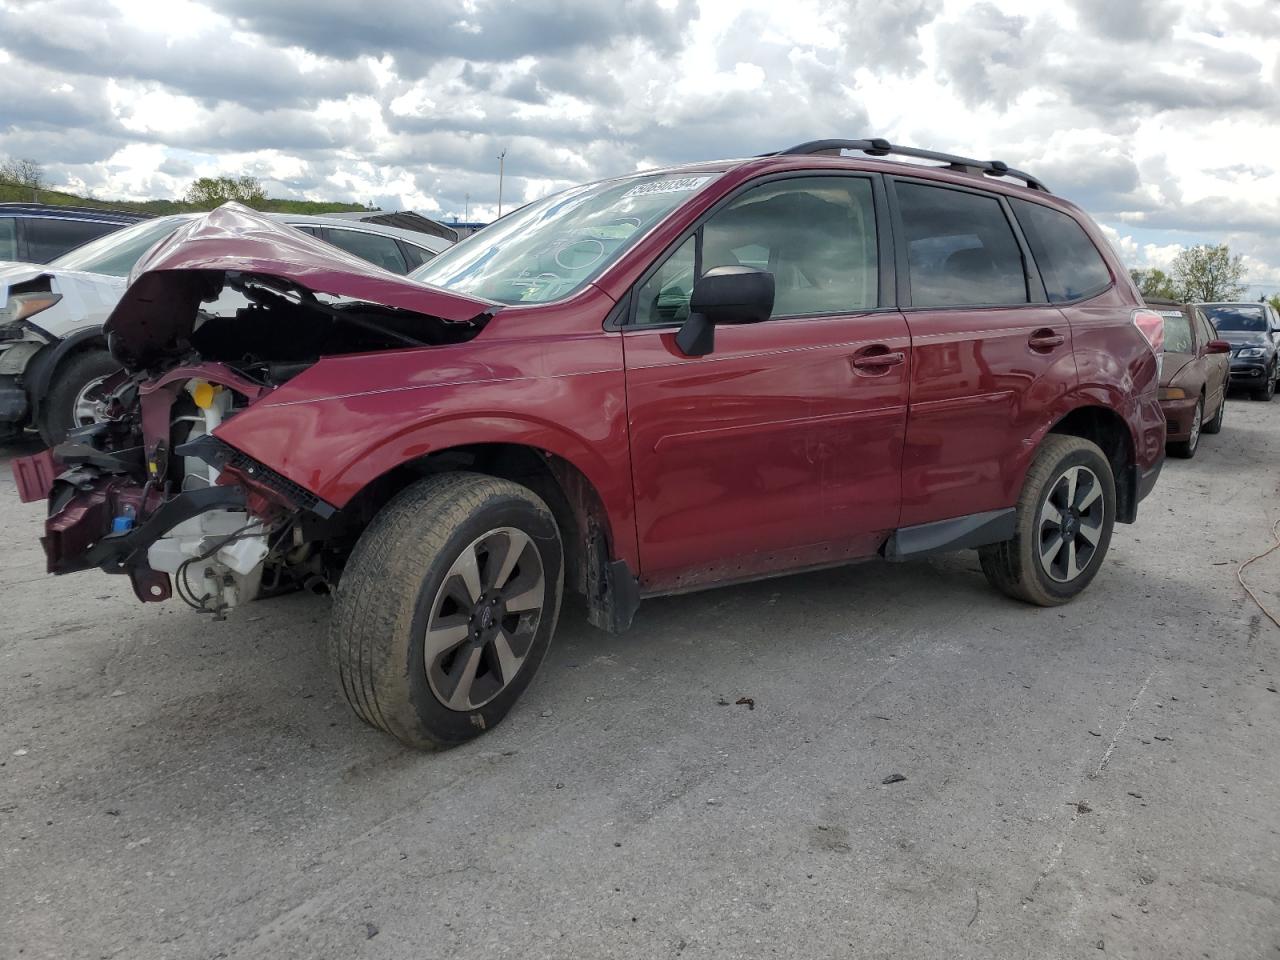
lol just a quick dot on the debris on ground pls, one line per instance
(370, 930)
(1081, 806)
(893, 778)
(745, 702)
(1094, 733)
(1135, 795)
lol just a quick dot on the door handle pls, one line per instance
(878, 361)
(1045, 340)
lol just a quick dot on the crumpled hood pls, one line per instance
(169, 282)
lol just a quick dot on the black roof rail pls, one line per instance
(877, 147)
(104, 213)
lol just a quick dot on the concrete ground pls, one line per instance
(1099, 780)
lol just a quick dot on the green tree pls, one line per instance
(1274, 300)
(1206, 273)
(24, 173)
(209, 192)
(1154, 282)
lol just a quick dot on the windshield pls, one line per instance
(1237, 318)
(116, 253)
(552, 247)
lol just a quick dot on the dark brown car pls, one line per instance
(1194, 375)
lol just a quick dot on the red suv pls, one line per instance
(658, 383)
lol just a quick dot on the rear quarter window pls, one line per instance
(1070, 264)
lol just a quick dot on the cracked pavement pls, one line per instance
(1094, 780)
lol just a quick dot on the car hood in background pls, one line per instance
(169, 282)
(1245, 338)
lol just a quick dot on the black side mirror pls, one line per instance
(724, 295)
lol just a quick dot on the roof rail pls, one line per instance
(883, 148)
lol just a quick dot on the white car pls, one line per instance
(53, 356)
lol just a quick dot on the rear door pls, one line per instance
(782, 448)
(989, 353)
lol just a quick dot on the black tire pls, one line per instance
(394, 586)
(73, 375)
(1014, 567)
(1268, 391)
(1215, 425)
(1186, 449)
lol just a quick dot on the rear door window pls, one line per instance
(48, 238)
(961, 249)
(1070, 264)
(8, 238)
(373, 247)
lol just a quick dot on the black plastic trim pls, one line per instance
(957, 533)
(116, 552)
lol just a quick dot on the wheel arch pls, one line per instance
(595, 550)
(1113, 436)
(39, 373)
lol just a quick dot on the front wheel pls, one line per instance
(446, 608)
(1064, 520)
(75, 394)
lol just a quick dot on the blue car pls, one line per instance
(38, 233)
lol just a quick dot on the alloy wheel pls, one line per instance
(1071, 524)
(1193, 438)
(87, 407)
(484, 618)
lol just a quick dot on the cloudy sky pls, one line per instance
(1160, 117)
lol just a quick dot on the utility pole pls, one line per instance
(466, 209)
(502, 159)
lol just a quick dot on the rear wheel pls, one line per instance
(1215, 425)
(75, 394)
(1064, 520)
(446, 608)
(1186, 449)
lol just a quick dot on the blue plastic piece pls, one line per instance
(122, 524)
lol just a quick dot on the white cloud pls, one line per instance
(1161, 117)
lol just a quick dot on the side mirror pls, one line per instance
(1217, 346)
(724, 295)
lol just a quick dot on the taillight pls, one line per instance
(1151, 325)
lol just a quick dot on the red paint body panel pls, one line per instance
(772, 444)
(979, 391)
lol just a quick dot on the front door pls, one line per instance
(782, 448)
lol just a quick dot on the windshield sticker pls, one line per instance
(1171, 313)
(682, 185)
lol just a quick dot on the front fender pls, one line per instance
(335, 445)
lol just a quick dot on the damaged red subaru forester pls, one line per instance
(662, 382)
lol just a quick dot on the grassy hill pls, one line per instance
(10, 193)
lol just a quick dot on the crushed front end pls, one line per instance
(152, 494)
(215, 320)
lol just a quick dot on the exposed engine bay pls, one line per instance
(151, 492)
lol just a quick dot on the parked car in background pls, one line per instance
(1194, 375)
(1253, 330)
(53, 354)
(39, 232)
(663, 382)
